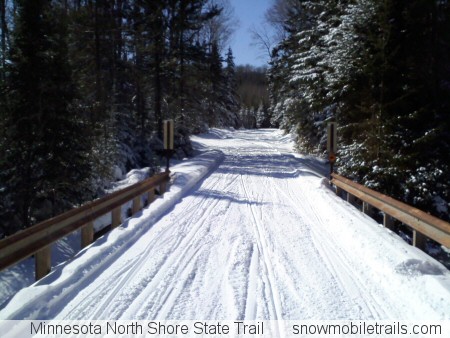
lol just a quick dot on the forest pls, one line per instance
(86, 84)
(381, 70)
(253, 96)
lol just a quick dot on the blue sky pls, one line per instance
(250, 13)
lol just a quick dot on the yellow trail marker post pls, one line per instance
(168, 139)
(332, 144)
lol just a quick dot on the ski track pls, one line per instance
(249, 242)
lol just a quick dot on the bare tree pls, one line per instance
(263, 39)
(277, 15)
(220, 28)
(267, 38)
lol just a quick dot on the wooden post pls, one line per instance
(168, 141)
(338, 191)
(151, 196)
(43, 262)
(116, 217)
(87, 234)
(388, 221)
(350, 198)
(419, 240)
(367, 209)
(136, 205)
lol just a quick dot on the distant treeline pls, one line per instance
(254, 96)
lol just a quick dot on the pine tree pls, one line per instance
(4, 35)
(94, 59)
(413, 104)
(231, 97)
(186, 54)
(217, 80)
(381, 69)
(45, 164)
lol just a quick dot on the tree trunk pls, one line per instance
(4, 29)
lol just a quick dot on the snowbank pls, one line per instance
(184, 176)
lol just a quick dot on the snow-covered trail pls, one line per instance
(262, 237)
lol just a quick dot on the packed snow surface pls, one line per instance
(260, 236)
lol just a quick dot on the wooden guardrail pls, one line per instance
(422, 223)
(38, 239)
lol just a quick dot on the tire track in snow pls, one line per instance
(299, 270)
(281, 276)
(179, 262)
(283, 260)
(338, 267)
(111, 297)
(276, 312)
(341, 263)
(190, 213)
(338, 264)
(250, 301)
(172, 267)
(186, 275)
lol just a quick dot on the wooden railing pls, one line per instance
(37, 240)
(423, 224)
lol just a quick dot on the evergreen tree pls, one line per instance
(94, 80)
(412, 103)
(185, 19)
(252, 90)
(217, 80)
(380, 68)
(93, 58)
(231, 97)
(222, 103)
(4, 36)
(45, 164)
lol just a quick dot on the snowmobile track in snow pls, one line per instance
(260, 238)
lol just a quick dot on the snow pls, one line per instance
(118, 175)
(187, 174)
(248, 230)
(441, 205)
